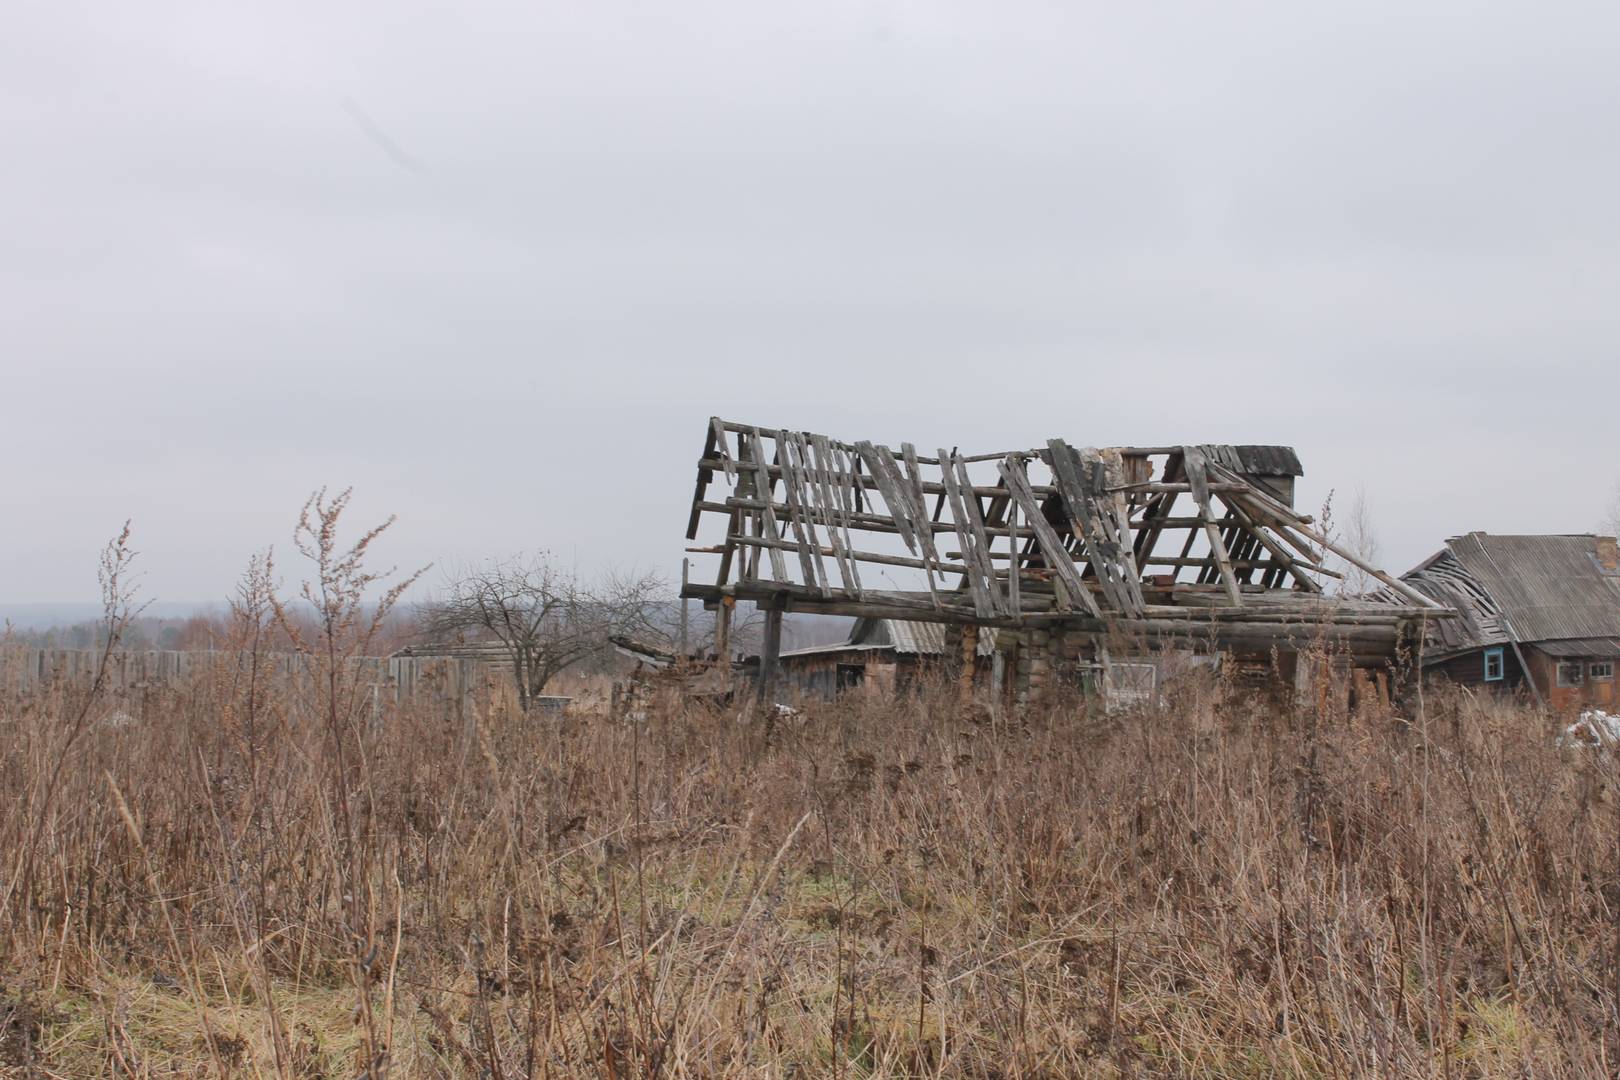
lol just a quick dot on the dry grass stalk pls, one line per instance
(252, 879)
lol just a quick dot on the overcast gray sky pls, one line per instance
(495, 264)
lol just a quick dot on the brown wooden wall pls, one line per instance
(1589, 695)
(1469, 670)
(816, 677)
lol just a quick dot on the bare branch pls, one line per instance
(544, 617)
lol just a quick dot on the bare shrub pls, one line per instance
(262, 877)
(544, 617)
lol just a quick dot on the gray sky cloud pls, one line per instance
(1388, 238)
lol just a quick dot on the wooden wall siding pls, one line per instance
(815, 677)
(29, 671)
(1468, 669)
(1570, 699)
(1186, 543)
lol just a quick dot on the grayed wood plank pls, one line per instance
(977, 586)
(919, 495)
(1015, 566)
(765, 520)
(811, 503)
(1197, 468)
(1107, 508)
(1278, 552)
(1090, 521)
(834, 501)
(976, 522)
(1066, 478)
(896, 499)
(1218, 548)
(1052, 549)
(809, 546)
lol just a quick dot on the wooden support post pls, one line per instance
(1217, 548)
(1034, 666)
(686, 567)
(770, 656)
(722, 630)
(970, 654)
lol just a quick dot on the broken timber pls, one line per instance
(1049, 537)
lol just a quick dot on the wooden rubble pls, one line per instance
(1195, 545)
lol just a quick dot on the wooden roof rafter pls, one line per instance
(1049, 533)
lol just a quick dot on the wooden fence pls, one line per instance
(25, 672)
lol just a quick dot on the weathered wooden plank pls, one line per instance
(902, 498)
(1278, 552)
(981, 538)
(704, 475)
(1113, 522)
(1111, 562)
(810, 561)
(1121, 528)
(1015, 568)
(925, 487)
(770, 655)
(765, 519)
(896, 496)
(1051, 545)
(978, 586)
(834, 502)
(1196, 466)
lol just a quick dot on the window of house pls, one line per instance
(1600, 670)
(1125, 685)
(1493, 665)
(1571, 673)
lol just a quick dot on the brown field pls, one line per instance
(233, 879)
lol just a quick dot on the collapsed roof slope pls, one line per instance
(1522, 588)
(1138, 539)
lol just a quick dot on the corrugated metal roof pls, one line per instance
(921, 638)
(835, 647)
(1603, 646)
(912, 638)
(1536, 588)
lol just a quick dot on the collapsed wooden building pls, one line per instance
(1078, 556)
(1539, 614)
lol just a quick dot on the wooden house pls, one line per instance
(1538, 614)
(1066, 549)
(880, 656)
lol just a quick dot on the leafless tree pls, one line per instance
(1360, 536)
(1610, 525)
(743, 636)
(545, 617)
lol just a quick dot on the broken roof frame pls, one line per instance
(1521, 589)
(1075, 543)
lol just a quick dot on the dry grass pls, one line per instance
(1220, 888)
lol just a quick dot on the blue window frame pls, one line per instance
(1493, 665)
